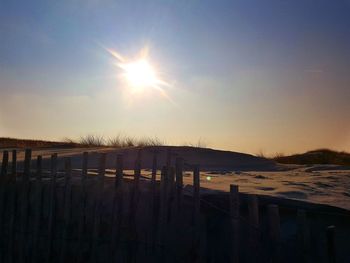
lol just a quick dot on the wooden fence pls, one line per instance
(70, 215)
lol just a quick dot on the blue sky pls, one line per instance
(249, 76)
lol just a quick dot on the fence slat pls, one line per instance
(37, 209)
(27, 163)
(234, 216)
(13, 215)
(163, 205)
(14, 164)
(98, 207)
(179, 184)
(25, 206)
(274, 232)
(3, 191)
(196, 215)
(82, 216)
(4, 164)
(153, 203)
(254, 233)
(303, 235)
(52, 207)
(135, 188)
(117, 209)
(67, 208)
(331, 244)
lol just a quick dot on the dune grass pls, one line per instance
(319, 156)
(6, 142)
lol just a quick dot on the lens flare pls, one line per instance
(138, 73)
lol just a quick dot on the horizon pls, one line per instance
(247, 76)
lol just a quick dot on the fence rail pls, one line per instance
(73, 216)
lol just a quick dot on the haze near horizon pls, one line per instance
(246, 76)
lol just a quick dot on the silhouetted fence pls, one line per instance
(69, 215)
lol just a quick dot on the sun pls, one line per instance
(140, 74)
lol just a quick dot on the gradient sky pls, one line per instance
(248, 75)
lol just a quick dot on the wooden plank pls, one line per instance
(303, 236)
(170, 193)
(4, 166)
(98, 207)
(153, 204)
(135, 189)
(117, 210)
(13, 189)
(83, 200)
(37, 209)
(179, 184)
(23, 249)
(163, 205)
(3, 190)
(331, 244)
(67, 209)
(52, 208)
(134, 199)
(27, 164)
(154, 168)
(195, 254)
(254, 231)
(234, 216)
(168, 157)
(14, 164)
(274, 232)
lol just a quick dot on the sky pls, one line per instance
(247, 75)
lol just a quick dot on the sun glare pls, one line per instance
(140, 74)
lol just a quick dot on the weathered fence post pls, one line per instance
(163, 207)
(82, 216)
(170, 193)
(12, 204)
(253, 209)
(134, 197)
(66, 207)
(195, 255)
(274, 232)
(25, 205)
(168, 158)
(153, 203)
(4, 164)
(179, 184)
(303, 235)
(3, 190)
(234, 217)
(52, 207)
(11, 225)
(27, 163)
(135, 188)
(117, 209)
(331, 244)
(98, 207)
(37, 209)
(14, 164)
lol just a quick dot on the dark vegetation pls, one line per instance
(84, 141)
(320, 156)
(23, 143)
(91, 140)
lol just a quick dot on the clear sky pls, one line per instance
(244, 75)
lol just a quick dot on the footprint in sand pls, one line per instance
(263, 188)
(260, 177)
(293, 194)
